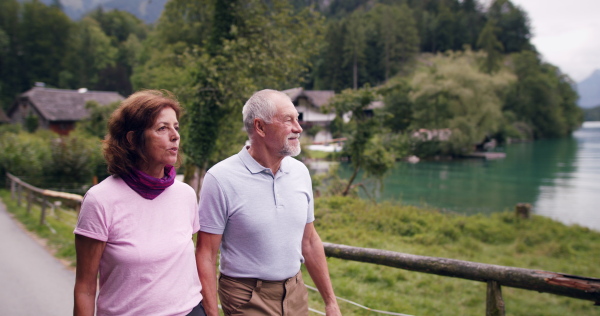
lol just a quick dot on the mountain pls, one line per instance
(591, 114)
(147, 10)
(589, 90)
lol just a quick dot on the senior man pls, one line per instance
(257, 207)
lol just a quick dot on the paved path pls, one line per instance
(32, 281)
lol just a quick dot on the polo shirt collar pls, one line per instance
(254, 167)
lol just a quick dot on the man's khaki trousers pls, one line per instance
(254, 297)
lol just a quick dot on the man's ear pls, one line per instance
(259, 127)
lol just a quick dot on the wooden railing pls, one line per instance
(495, 276)
(20, 189)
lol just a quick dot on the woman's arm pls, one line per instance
(89, 251)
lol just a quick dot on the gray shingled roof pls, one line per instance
(318, 98)
(66, 105)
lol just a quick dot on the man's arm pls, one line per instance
(206, 261)
(89, 251)
(316, 264)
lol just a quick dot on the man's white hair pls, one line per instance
(261, 105)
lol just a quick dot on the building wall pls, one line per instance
(23, 110)
(62, 128)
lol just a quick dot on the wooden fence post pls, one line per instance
(19, 191)
(29, 201)
(13, 188)
(494, 302)
(43, 215)
(523, 210)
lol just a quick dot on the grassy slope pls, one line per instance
(502, 239)
(538, 243)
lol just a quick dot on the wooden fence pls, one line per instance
(20, 190)
(495, 276)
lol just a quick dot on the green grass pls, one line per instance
(315, 154)
(501, 239)
(62, 221)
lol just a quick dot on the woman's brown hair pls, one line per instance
(135, 114)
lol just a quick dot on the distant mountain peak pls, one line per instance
(589, 90)
(147, 10)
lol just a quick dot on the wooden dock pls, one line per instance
(486, 155)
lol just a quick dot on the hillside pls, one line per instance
(147, 10)
(589, 90)
(592, 114)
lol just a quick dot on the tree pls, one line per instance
(268, 45)
(363, 146)
(542, 97)
(489, 43)
(125, 32)
(398, 105)
(9, 70)
(330, 73)
(354, 44)
(90, 52)
(43, 42)
(397, 37)
(453, 93)
(514, 26)
(445, 29)
(96, 124)
(167, 55)
(470, 22)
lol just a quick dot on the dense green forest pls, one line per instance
(436, 64)
(592, 114)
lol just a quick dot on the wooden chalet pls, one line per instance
(57, 109)
(309, 104)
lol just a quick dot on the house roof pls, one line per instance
(67, 105)
(318, 98)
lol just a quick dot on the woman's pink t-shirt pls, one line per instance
(148, 266)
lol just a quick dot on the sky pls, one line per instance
(566, 33)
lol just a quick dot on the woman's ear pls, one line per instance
(130, 137)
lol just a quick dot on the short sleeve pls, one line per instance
(310, 216)
(92, 221)
(212, 207)
(195, 218)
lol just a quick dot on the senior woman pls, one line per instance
(135, 228)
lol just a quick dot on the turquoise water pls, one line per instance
(559, 177)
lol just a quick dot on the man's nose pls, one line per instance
(297, 128)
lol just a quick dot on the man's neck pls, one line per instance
(264, 158)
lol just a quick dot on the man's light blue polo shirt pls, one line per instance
(260, 215)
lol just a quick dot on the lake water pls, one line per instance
(560, 178)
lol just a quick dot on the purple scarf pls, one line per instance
(147, 186)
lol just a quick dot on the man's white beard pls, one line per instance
(289, 149)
